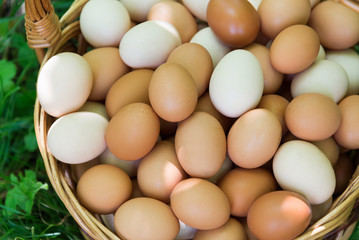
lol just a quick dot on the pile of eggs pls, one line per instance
(208, 119)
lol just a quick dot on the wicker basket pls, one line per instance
(49, 35)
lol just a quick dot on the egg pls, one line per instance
(77, 137)
(216, 49)
(103, 188)
(148, 44)
(347, 134)
(272, 78)
(145, 218)
(78, 169)
(160, 171)
(185, 232)
(276, 15)
(173, 98)
(325, 77)
(94, 106)
(234, 22)
(330, 148)
(294, 49)
(279, 215)
(320, 210)
(344, 170)
(176, 14)
(254, 130)
(313, 116)
(336, 25)
(236, 84)
(130, 88)
(200, 204)
(106, 66)
(231, 230)
(197, 61)
(243, 186)
(200, 144)
(197, 8)
(133, 131)
(225, 168)
(296, 167)
(103, 23)
(64, 83)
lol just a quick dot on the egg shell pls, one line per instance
(325, 77)
(349, 60)
(185, 232)
(344, 170)
(133, 131)
(130, 88)
(336, 25)
(330, 148)
(294, 49)
(313, 116)
(236, 84)
(321, 54)
(103, 188)
(99, 13)
(78, 169)
(255, 3)
(106, 66)
(197, 61)
(148, 44)
(145, 218)
(276, 15)
(225, 168)
(234, 22)
(279, 215)
(77, 137)
(200, 204)
(197, 8)
(277, 105)
(200, 144)
(176, 14)
(272, 78)
(109, 221)
(160, 171)
(206, 38)
(172, 92)
(243, 186)
(256, 129)
(64, 84)
(231, 230)
(301, 167)
(136, 191)
(95, 107)
(347, 135)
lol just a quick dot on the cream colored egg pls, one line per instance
(64, 83)
(148, 44)
(236, 84)
(255, 3)
(77, 137)
(210, 42)
(321, 54)
(96, 107)
(198, 8)
(301, 167)
(325, 77)
(349, 60)
(104, 22)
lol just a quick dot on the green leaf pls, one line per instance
(21, 196)
(7, 73)
(30, 141)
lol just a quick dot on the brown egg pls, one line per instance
(200, 204)
(103, 188)
(200, 145)
(272, 78)
(159, 171)
(243, 186)
(348, 133)
(234, 22)
(176, 14)
(145, 218)
(136, 191)
(172, 92)
(279, 215)
(231, 230)
(196, 60)
(130, 88)
(330, 148)
(294, 49)
(133, 131)
(254, 138)
(106, 66)
(276, 104)
(78, 169)
(276, 15)
(205, 104)
(336, 25)
(344, 170)
(312, 116)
